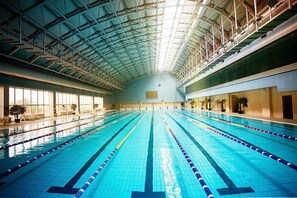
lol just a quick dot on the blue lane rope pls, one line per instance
(242, 142)
(191, 164)
(52, 133)
(91, 179)
(253, 128)
(21, 165)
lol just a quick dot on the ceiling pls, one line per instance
(110, 43)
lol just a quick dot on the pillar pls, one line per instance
(54, 104)
(6, 100)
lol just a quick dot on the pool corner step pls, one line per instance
(62, 190)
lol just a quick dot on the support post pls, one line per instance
(6, 100)
(54, 104)
(223, 36)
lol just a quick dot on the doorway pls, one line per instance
(287, 107)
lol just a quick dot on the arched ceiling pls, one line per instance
(110, 43)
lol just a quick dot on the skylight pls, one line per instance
(172, 12)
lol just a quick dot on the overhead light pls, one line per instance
(172, 12)
(191, 30)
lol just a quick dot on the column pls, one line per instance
(6, 100)
(54, 104)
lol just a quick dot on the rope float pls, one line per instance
(48, 134)
(253, 128)
(191, 164)
(91, 179)
(15, 168)
(244, 143)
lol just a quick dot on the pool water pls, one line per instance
(153, 153)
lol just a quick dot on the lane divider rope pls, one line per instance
(253, 128)
(52, 133)
(242, 142)
(87, 133)
(94, 175)
(190, 162)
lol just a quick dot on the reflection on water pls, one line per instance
(170, 179)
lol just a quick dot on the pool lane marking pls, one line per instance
(241, 141)
(53, 125)
(68, 188)
(148, 188)
(253, 128)
(85, 134)
(52, 133)
(190, 162)
(232, 188)
(94, 175)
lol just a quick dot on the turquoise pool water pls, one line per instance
(160, 153)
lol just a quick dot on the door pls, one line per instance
(287, 107)
(234, 103)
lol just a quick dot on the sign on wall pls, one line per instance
(152, 94)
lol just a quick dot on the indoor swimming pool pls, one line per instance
(149, 153)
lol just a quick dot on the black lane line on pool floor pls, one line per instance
(243, 142)
(232, 188)
(68, 188)
(148, 190)
(105, 162)
(21, 165)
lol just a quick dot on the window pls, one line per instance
(64, 101)
(11, 96)
(86, 103)
(35, 101)
(99, 102)
(19, 97)
(27, 96)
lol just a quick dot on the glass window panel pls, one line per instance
(75, 98)
(46, 97)
(34, 97)
(47, 110)
(40, 97)
(40, 109)
(19, 96)
(28, 110)
(60, 98)
(34, 109)
(71, 98)
(27, 96)
(11, 96)
(64, 99)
